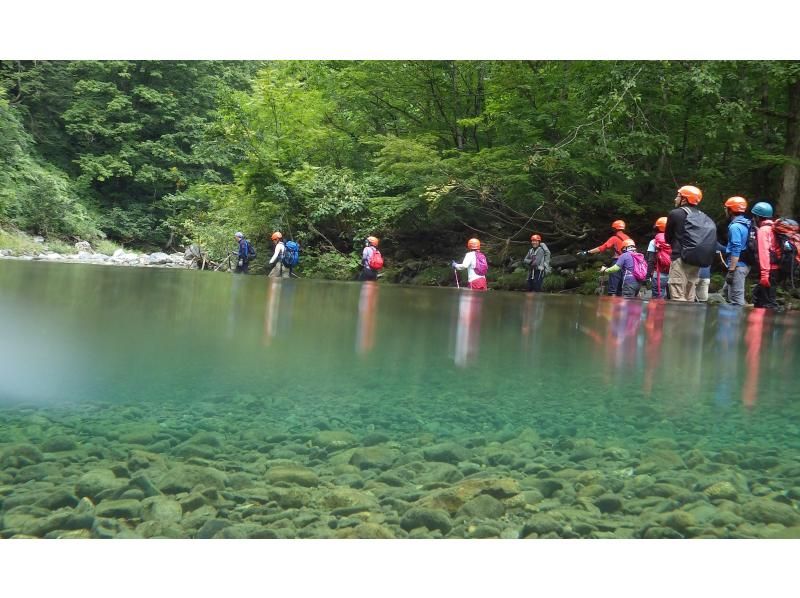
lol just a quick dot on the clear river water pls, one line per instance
(140, 402)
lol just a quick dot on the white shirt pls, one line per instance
(470, 261)
(279, 247)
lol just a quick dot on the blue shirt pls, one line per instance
(738, 231)
(625, 262)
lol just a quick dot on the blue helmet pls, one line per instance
(762, 209)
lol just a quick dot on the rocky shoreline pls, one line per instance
(86, 255)
(248, 467)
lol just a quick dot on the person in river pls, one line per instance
(614, 242)
(475, 264)
(625, 265)
(368, 272)
(740, 258)
(688, 243)
(659, 259)
(764, 245)
(538, 262)
(275, 265)
(244, 254)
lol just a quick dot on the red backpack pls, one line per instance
(375, 260)
(663, 254)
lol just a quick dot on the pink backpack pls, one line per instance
(481, 265)
(639, 267)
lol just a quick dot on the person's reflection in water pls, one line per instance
(367, 310)
(272, 307)
(236, 305)
(654, 336)
(468, 330)
(753, 338)
(727, 350)
(622, 342)
(532, 312)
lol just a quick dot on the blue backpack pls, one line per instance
(291, 254)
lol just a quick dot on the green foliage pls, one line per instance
(513, 281)
(423, 154)
(106, 247)
(17, 242)
(553, 283)
(61, 247)
(331, 265)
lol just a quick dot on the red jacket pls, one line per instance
(614, 242)
(765, 246)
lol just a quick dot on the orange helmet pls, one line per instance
(536, 238)
(628, 243)
(618, 225)
(661, 224)
(473, 244)
(736, 204)
(692, 194)
(373, 241)
(277, 235)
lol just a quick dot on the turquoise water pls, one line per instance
(171, 403)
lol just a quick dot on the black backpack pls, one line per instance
(699, 243)
(251, 251)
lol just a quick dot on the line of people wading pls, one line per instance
(678, 261)
(676, 265)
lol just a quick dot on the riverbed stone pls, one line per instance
(334, 440)
(183, 478)
(432, 519)
(20, 455)
(59, 443)
(292, 474)
(123, 508)
(769, 511)
(482, 506)
(374, 457)
(97, 482)
(721, 490)
(162, 509)
(447, 452)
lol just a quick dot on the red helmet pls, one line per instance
(736, 204)
(373, 241)
(618, 225)
(661, 224)
(473, 244)
(536, 238)
(277, 235)
(692, 194)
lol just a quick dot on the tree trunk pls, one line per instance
(791, 172)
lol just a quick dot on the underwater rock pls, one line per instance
(448, 452)
(292, 474)
(768, 511)
(97, 482)
(162, 509)
(432, 519)
(60, 443)
(482, 506)
(374, 457)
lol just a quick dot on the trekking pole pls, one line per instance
(455, 272)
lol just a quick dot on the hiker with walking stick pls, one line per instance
(475, 264)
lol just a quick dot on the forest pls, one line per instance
(422, 154)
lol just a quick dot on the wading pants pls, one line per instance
(735, 292)
(683, 279)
